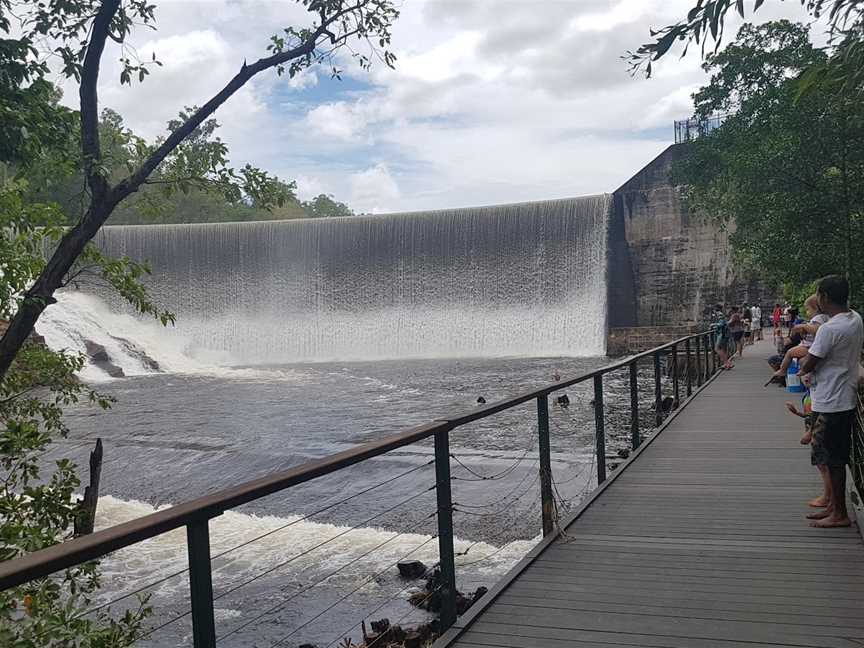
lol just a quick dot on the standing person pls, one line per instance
(776, 320)
(721, 337)
(832, 363)
(786, 311)
(736, 330)
(747, 321)
(756, 312)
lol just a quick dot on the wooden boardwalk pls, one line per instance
(699, 542)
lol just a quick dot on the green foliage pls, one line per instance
(842, 71)
(797, 294)
(38, 510)
(326, 206)
(784, 175)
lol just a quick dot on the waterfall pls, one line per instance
(520, 279)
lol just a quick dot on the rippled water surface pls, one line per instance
(173, 437)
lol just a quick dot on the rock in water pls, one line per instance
(100, 358)
(96, 351)
(411, 569)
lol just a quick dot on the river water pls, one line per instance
(172, 437)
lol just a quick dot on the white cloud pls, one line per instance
(374, 190)
(490, 101)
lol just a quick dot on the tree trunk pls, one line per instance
(86, 517)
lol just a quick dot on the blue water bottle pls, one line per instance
(793, 380)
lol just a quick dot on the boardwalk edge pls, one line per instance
(464, 622)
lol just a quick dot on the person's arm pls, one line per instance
(818, 351)
(807, 327)
(809, 363)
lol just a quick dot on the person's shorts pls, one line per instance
(747, 334)
(832, 438)
(737, 335)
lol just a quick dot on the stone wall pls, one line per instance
(635, 339)
(666, 266)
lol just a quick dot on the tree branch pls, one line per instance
(90, 100)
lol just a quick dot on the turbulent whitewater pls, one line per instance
(524, 279)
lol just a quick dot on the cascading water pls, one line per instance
(521, 279)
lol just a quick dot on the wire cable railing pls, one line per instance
(700, 363)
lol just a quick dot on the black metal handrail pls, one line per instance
(195, 514)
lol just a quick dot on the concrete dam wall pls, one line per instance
(666, 265)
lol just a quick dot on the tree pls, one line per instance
(326, 206)
(37, 509)
(783, 173)
(82, 28)
(843, 70)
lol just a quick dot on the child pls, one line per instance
(806, 413)
(824, 500)
(806, 331)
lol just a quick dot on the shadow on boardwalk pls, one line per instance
(700, 542)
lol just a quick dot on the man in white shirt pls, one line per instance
(756, 312)
(833, 361)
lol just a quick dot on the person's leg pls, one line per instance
(837, 514)
(795, 352)
(837, 440)
(824, 500)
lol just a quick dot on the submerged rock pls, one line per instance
(411, 569)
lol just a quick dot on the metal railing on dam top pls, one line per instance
(698, 364)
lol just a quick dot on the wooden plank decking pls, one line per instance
(700, 542)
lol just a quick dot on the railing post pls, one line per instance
(707, 356)
(675, 387)
(545, 464)
(698, 360)
(687, 368)
(634, 406)
(658, 393)
(200, 584)
(599, 429)
(446, 557)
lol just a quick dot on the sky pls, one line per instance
(491, 101)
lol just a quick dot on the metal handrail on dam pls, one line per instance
(699, 364)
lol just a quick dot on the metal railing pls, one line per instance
(700, 363)
(687, 130)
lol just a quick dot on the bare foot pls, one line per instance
(807, 438)
(831, 522)
(820, 515)
(818, 502)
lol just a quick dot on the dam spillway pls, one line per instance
(504, 280)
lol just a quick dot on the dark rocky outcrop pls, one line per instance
(99, 358)
(135, 351)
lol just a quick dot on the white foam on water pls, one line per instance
(153, 559)
(79, 317)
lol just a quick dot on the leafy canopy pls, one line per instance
(704, 25)
(784, 174)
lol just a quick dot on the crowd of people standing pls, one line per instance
(822, 352)
(734, 330)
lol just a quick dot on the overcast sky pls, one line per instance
(491, 101)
